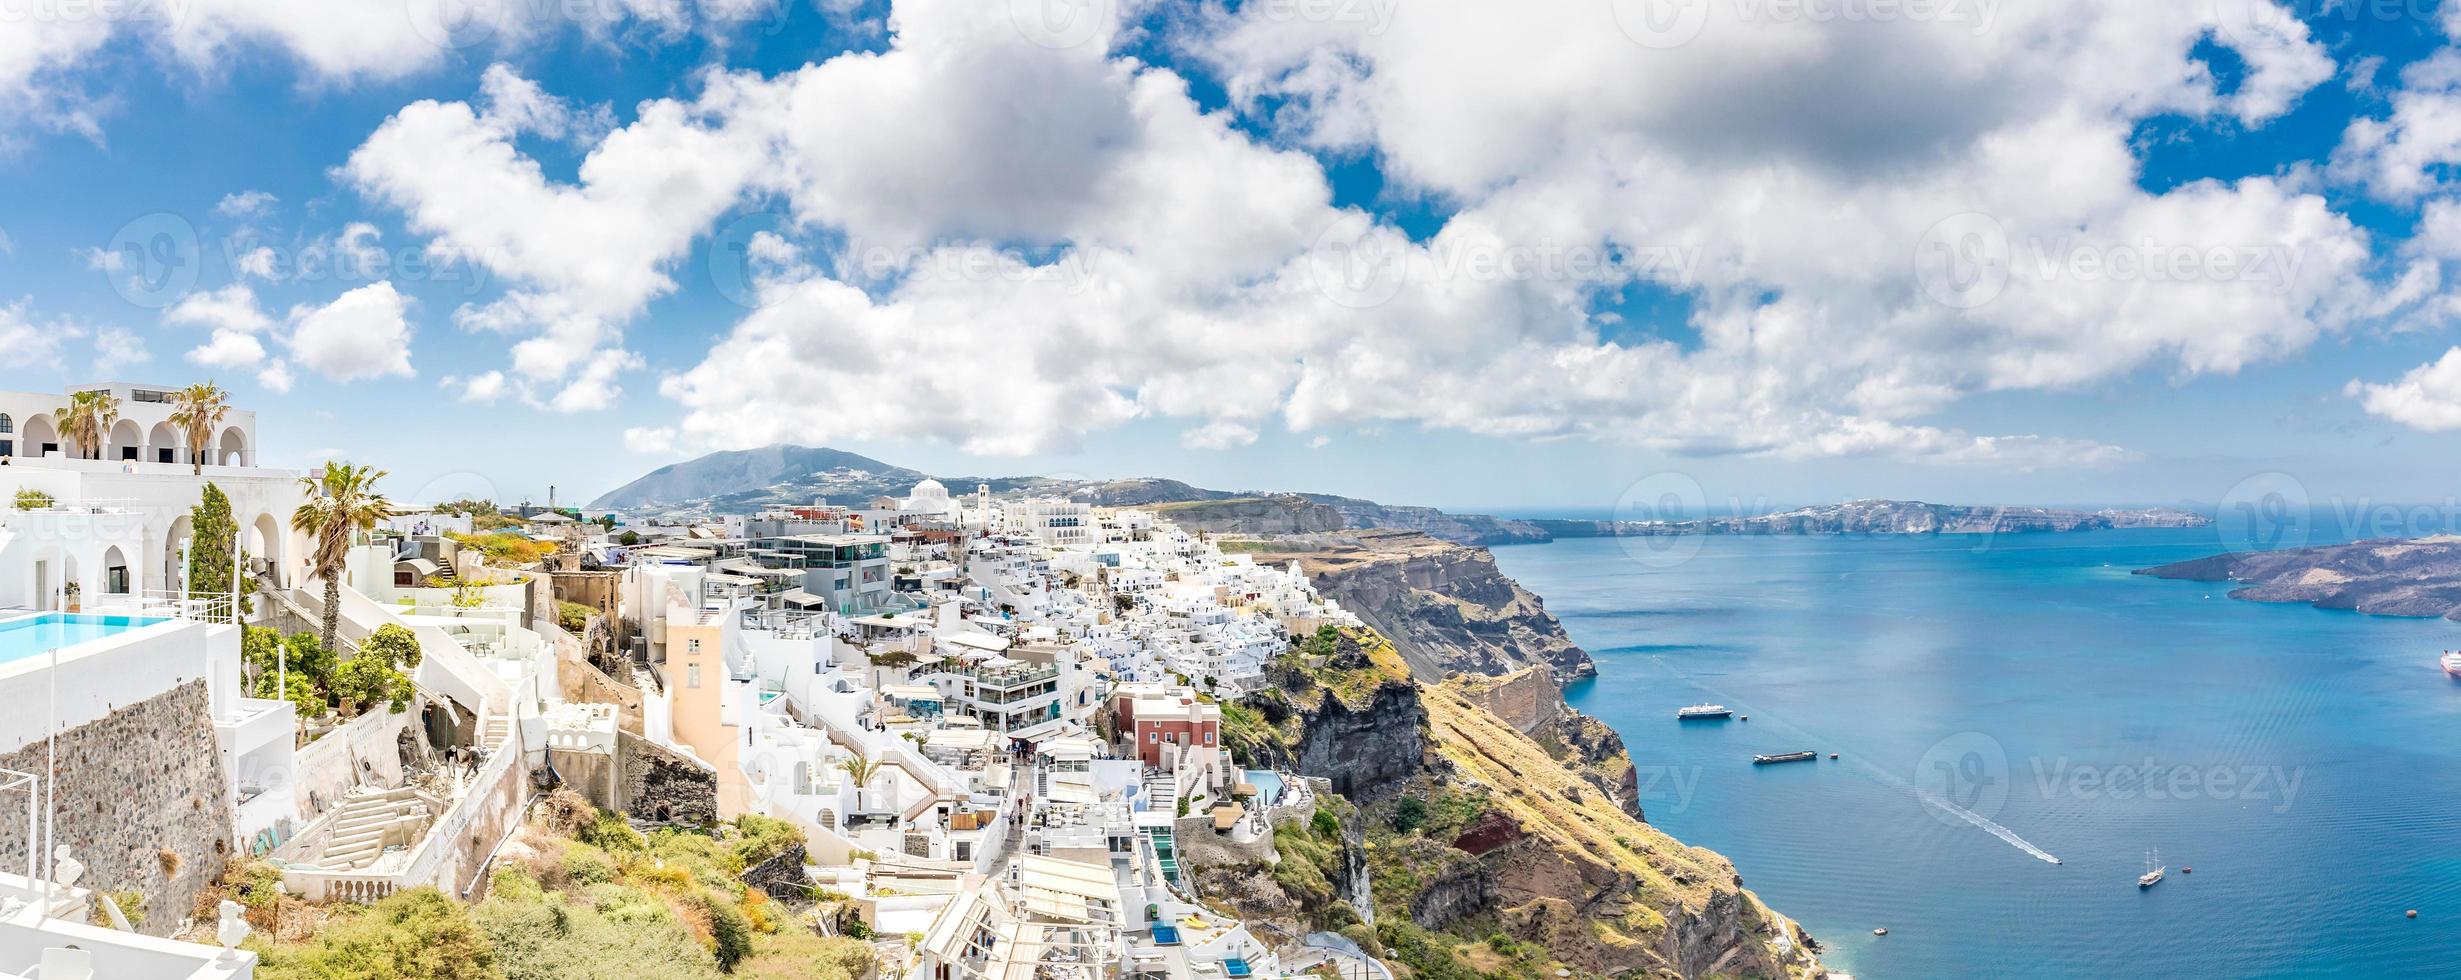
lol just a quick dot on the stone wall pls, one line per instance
(580, 683)
(1526, 699)
(142, 802)
(662, 786)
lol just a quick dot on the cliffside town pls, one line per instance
(930, 736)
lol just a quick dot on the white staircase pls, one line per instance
(494, 731)
(1161, 795)
(365, 823)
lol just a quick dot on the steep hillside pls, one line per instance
(2385, 577)
(1483, 851)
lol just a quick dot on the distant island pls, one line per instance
(2384, 577)
(1909, 517)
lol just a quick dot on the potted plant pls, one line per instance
(68, 597)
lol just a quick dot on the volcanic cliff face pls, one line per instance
(1485, 849)
(1444, 605)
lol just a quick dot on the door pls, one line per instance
(42, 585)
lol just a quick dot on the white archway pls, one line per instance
(118, 578)
(69, 577)
(163, 444)
(233, 448)
(126, 442)
(172, 574)
(266, 539)
(39, 434)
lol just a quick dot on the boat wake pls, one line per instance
(1988, 826)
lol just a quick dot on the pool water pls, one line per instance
(35, 635)
(1268, 785)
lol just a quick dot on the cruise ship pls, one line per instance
(1704, 711)
(2452, 664)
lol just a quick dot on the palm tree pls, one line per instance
(197, 411)
(86, 420)
(342, 501)
(861, 770)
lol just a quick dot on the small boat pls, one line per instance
(2153, 870)
(2452, 664)
(1703, 711)
(1763, 760)
(1832, 756)
(1879, 932)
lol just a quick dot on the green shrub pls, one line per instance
(760, 838)
(33, 500)
(415, 933)
(1324, 824)
(1409, 814)
(613, 834)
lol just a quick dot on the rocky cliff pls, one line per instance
(1444, 605)
(2385, 577)
(1485, 850)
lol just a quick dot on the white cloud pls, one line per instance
(479, 389)
(116, 348)
(232, 308)
(1179, 261)
(7, 246)
(229, 349)
(584, 257)
(38, 343)
(44, 55)
(103, 260)
(654, 441)
(276, 377)
(362, 334)
(2428, 398)
(246, 204)
(1223, 434)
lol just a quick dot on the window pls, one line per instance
(693, 645)
(1209, 736)
(692, 675)
(965, 850)
(1153, 738)
(7, 425)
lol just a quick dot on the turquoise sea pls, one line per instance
(2305, 763)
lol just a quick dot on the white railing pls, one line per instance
(202, 607)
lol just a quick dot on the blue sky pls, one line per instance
(1755, 195)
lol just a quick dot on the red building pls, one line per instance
(1161, 721)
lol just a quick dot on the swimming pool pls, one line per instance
(1268, 785)
(40, 634)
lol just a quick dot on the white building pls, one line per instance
(29, 428)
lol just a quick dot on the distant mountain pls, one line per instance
(1889, 517)
(747, 481)
(800, 473)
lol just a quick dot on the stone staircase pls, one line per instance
(366, 823)
(1160, 795)
(494, 731)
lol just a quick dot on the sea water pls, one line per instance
(1996, 700)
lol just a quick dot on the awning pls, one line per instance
(799, 597)
(1228, 816)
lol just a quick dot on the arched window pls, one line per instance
(6, 425)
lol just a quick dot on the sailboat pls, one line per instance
(2153, 870)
